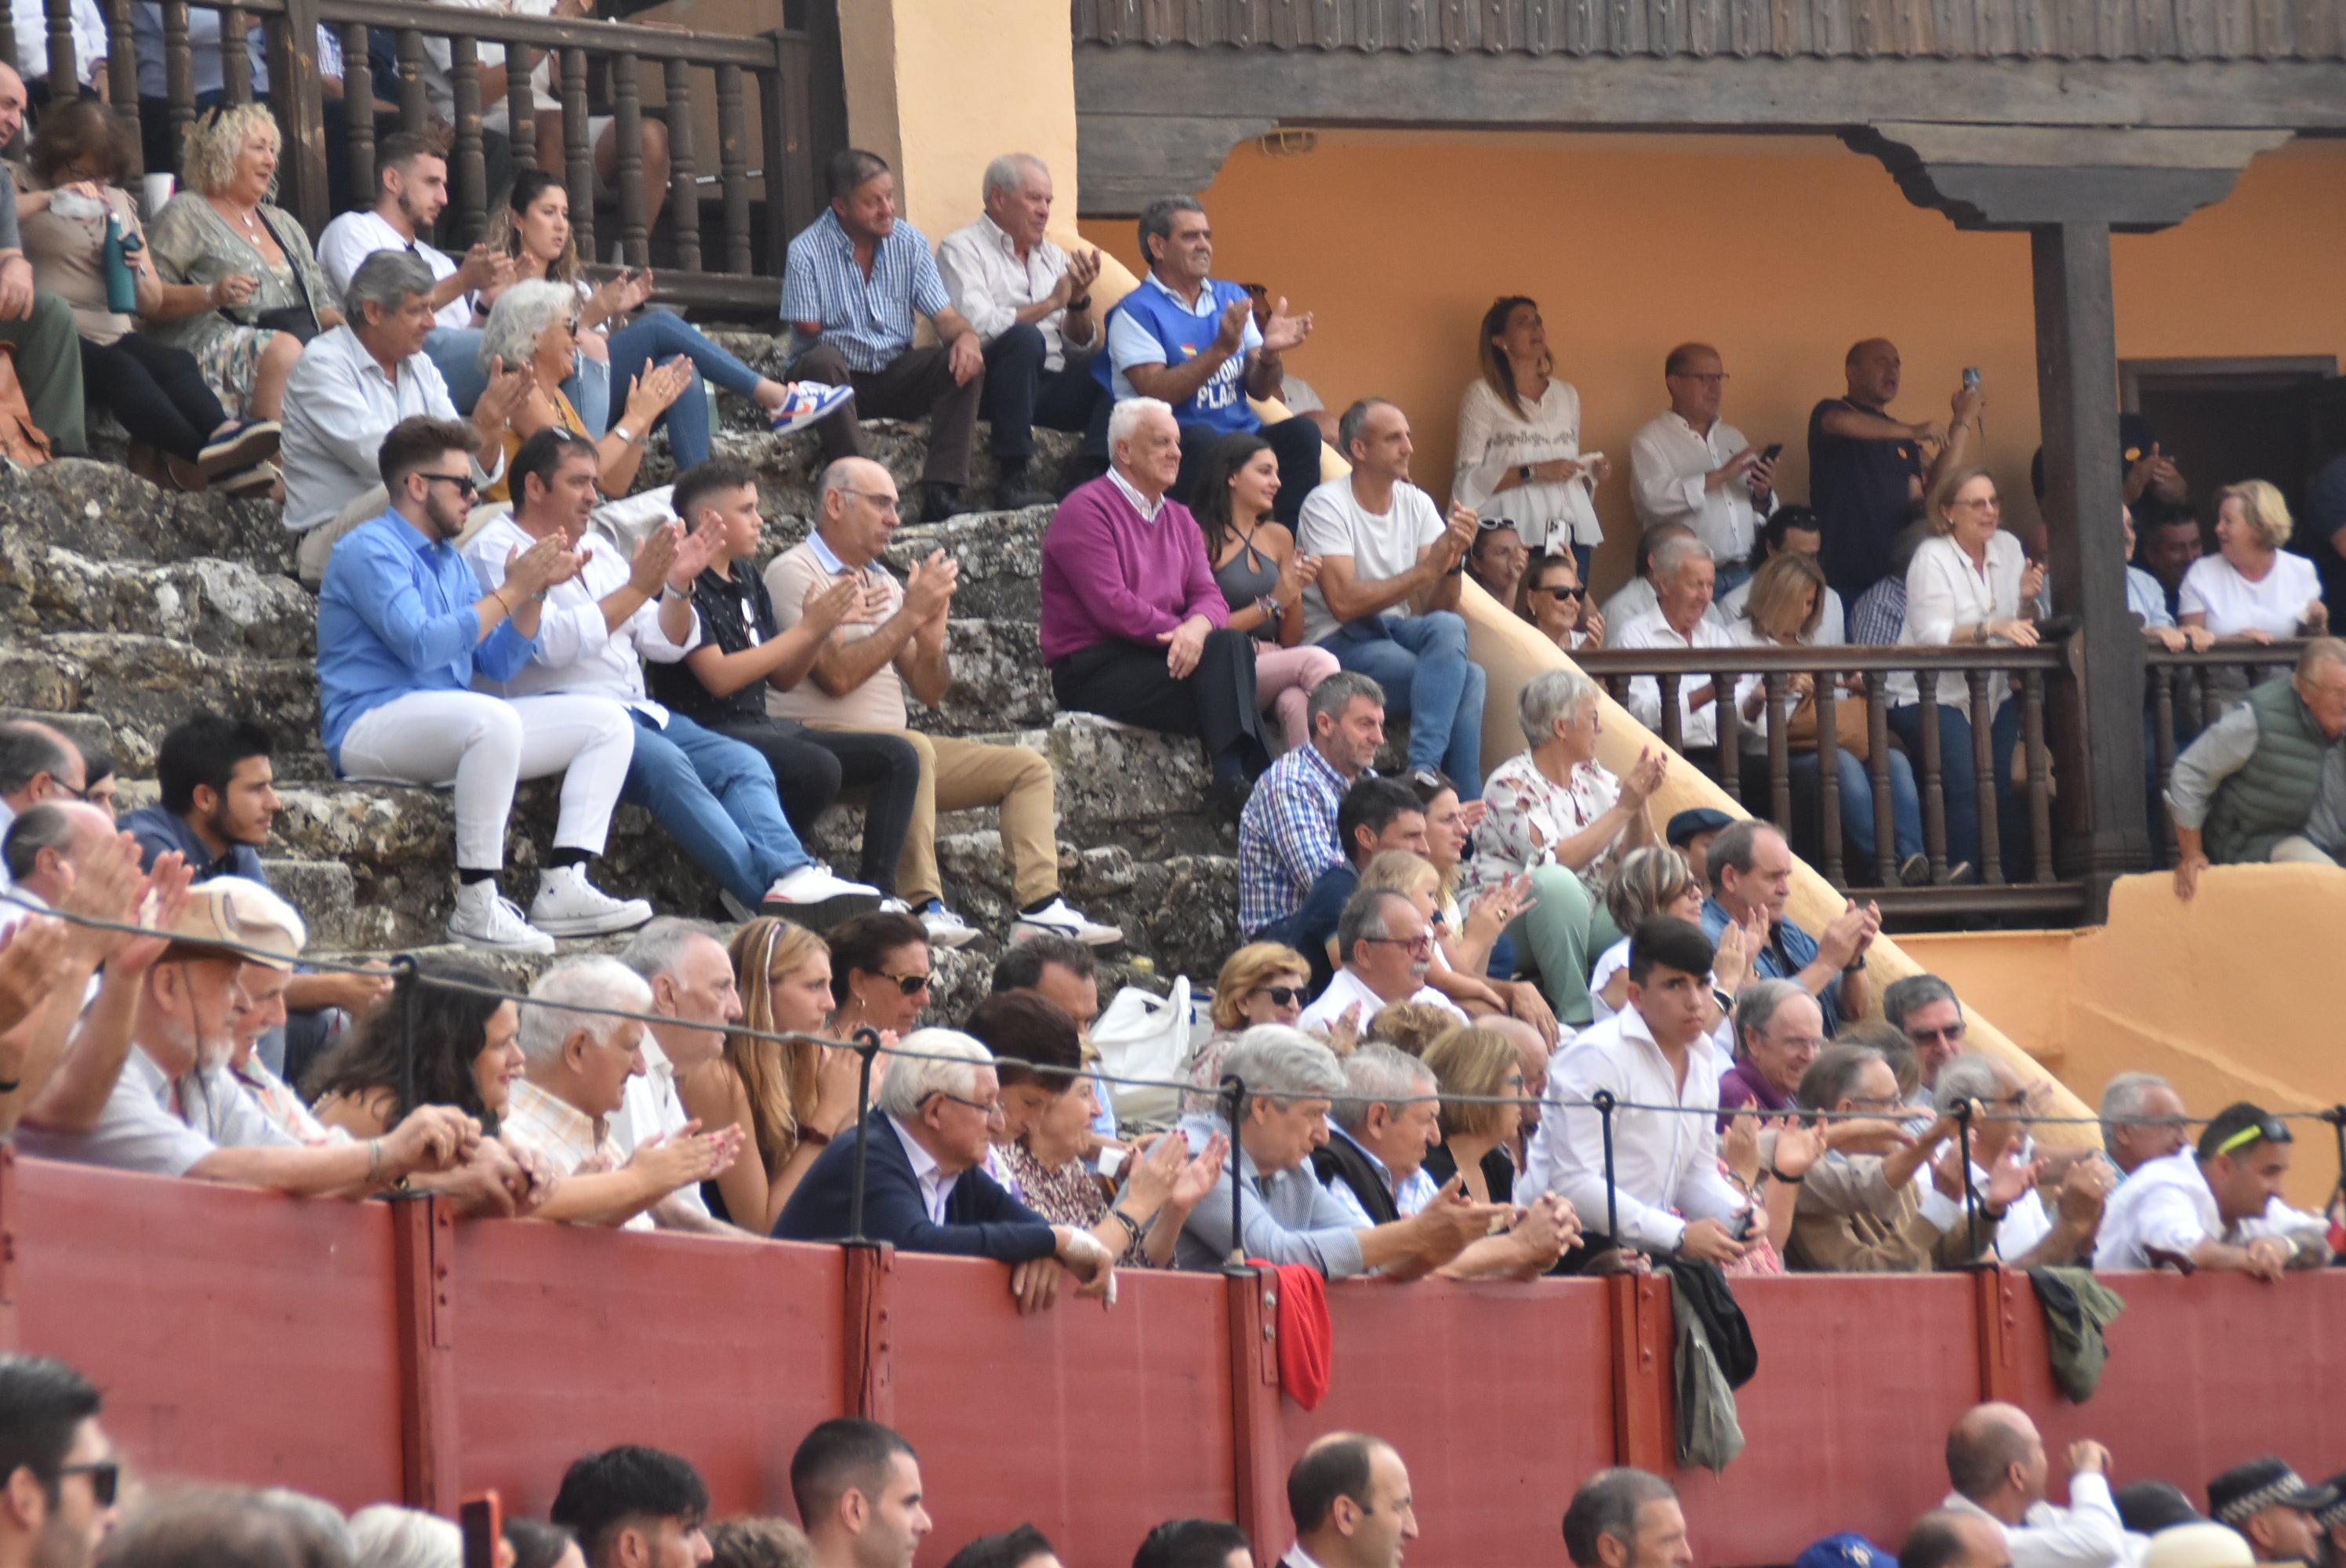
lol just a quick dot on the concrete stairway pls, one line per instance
(123, 608)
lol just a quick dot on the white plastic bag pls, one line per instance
(1144, 1036)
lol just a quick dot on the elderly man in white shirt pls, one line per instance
(1683, 572)
(351, 386)
(1030, 303)
(1996, 1464)
(691, 978)
(1667, 1194)
(1386, 947)
(2218, 1206)
(1690, 466)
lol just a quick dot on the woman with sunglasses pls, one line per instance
(879, 974)
(1556, 603)
(789, 1101)
(1262, 982)
(1261, 575)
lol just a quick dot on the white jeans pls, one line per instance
(486, 745)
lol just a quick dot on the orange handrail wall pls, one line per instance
(381, 1350)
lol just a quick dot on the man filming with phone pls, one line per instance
(1690, 466)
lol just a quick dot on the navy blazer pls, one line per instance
(981, 1219)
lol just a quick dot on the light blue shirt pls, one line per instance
(1287, 1216)
(868, 319)
(2147, 600)
(395, 616)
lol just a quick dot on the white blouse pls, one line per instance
(1493, 440)
(2274, 605)
(1944, 590)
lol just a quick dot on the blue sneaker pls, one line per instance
(803, 402)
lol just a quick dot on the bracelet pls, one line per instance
(1132, 1225)
(374, 1161)
(503, 607)
(1083, 304)
(624, 434)
(1268, 607)
(1775, 1175)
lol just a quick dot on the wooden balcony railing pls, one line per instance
(731, 207)
(2187, 691)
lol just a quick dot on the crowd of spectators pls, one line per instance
(73, 1499)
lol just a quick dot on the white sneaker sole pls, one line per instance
(961, 938)
(540, 943)
(822, 914)
(800, 421)
(627, 917)
(1091, 936)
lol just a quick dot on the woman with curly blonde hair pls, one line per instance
(267, 295)
(789, 1100)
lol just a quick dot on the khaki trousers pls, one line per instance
(957, 775)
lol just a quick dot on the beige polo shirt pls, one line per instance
(792, 578)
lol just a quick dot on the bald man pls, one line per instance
(896, 641)
(1867, 469)
(1942, 1539)
(1996, 1461)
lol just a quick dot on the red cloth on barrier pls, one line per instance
(1307, 1339)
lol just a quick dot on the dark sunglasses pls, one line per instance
(465, 483)
(105, 1477)
(1572, 593)
(910, 984)
(1282, 995)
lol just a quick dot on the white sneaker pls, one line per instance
(945, 928)
(894, 906)
(814, 898)
(487, 919)
(1061, 918)
(567, 904)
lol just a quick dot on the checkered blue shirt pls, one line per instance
(868, 320)
(1287, 836)
(1879, 616)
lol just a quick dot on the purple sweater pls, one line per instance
(1108, 575)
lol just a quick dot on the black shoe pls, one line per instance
(1080, 470)
(1023, 494)
(941, 502)
(1914, 870)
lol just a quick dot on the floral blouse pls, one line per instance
(1529, 815)
(1071, 1194)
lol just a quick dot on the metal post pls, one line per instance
(1971, 1197)
(1604, 1102)
(2336, 1116)
(1235, 1088)
(867, 1045)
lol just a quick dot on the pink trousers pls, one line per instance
(1283, 679)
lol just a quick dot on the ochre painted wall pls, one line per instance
(1780, 251)
(2229, 996)
(941, 88)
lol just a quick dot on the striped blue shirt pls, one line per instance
(1287, 835)
(868, 320)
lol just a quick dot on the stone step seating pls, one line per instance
(122, 607)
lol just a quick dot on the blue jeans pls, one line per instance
(660, 335)
(1958, 779)
(1857, 802)
(1422, 663)
(716, 797)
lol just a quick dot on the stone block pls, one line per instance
(143, 685)
(997, 679)
(1000, 554)
(326, 892)
(216, 605)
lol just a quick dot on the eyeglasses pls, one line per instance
(1571, 592)
(1282, 995)
(1876, 1101)
(2264, 1130)
(105, 1477)
(910, 984)
(990, 1109)
(1419, 946)
(1949, 1032)
(465, 483)
(886, 505)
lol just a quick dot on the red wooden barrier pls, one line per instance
(2204, 1372)
(1845, 1423)
(1094, 1424)
(236, 1335)
(1498, 1396)
(567, 1341)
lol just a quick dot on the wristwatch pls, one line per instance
(670, 591)
(624, 434)
(1524, 472)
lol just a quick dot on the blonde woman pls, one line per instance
(1413, 877)
(267, 295)
(2251, 590)
(1480, 1064)
(788, 1100)
(1519, 440)
(1262, 982)
(1783, 608)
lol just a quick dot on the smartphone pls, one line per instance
(1970, 375)
(481, 1518)
(1775, 450)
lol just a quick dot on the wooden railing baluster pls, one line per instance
(2040, 774)
(683, 182)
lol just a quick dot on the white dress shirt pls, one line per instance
(1669, 459)
(1347, 988)
(1665, 1163)
(650, 1107)
(31, 20)
(991, 283)
(354, 237)
(339, 403)
(1696, 726)
(1944, 590)
(936, 1186)
(2166, 1205)
(577, 653)
(2088, 1533)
